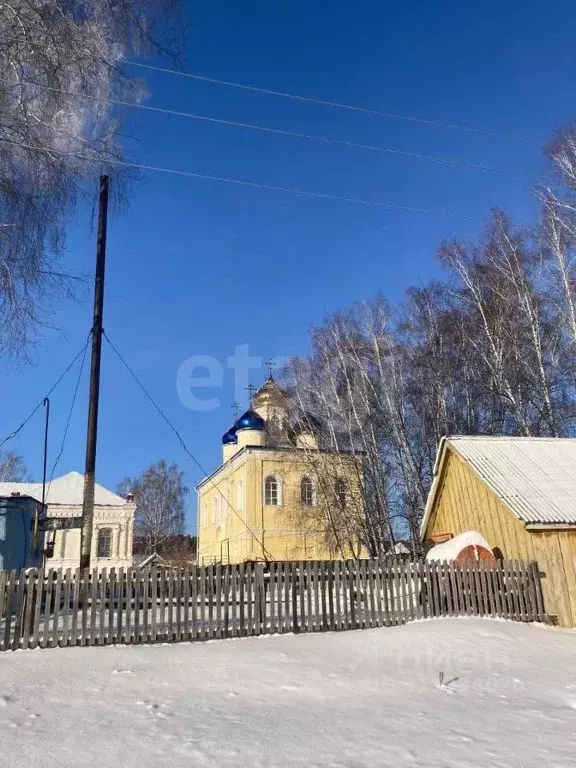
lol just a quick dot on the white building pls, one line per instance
(113, 530)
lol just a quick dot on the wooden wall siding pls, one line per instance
(464, 502)
(66, 608)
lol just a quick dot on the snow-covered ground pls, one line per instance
(442, 693)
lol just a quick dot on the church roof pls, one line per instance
(230, 436)
(270, 388)
(249, 420)
(66, 490)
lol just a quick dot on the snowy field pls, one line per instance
(438, 693)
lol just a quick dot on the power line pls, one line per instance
(37, 408)
(282, 132)
(336, 104)
(251, 184)
(74, 396)
(183, 444)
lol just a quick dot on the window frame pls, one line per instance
(104, 532)
(277, 479)
(341, 492)
(310, 499)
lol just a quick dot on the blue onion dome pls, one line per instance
(228, 438)
(250, 420)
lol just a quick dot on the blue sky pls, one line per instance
(199, 268)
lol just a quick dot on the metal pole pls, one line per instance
(92, 431)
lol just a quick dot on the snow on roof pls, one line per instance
(449, 550)
(534, 476)
(65, 490)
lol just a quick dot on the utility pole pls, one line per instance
(94, 396)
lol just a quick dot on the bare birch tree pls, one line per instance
(13, 469)
(61, 67)
(160, 496)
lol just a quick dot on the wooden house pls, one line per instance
(520, 494)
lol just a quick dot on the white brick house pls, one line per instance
(113, 529)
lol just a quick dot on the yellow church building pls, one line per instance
(278, 495)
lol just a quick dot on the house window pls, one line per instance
(306, 491)
(272, 491)
(341, 491)
(105, 542)
(240, 495)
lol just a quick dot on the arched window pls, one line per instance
(306, 491)
(104, 542)
(240, 496)
(205, 516)
(216, 504)
(341, 491)
(273, 491)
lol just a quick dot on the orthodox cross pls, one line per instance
(235, 410)
(251, 389)
(271, 365)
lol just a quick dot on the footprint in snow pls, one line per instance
(5, 700)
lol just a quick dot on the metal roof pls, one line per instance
(534, 476)
(67, 490)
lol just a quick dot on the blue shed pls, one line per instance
(20, 517)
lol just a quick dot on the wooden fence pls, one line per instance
(56, 608)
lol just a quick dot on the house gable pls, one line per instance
(462, 501)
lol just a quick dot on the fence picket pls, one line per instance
(454, 592)
(496, 575)
(47, 603)
(31, 579)
(185, 632)
(520, 608)
(137, 593)
(63, 640)
(129, 591)
(19, 608)
(316, 595)
(272, 598)
(155, 596)
(539, 598)
(412, 588)
(38, 596)
(302, 586)
(120, 636)
(241, 600)
(111, 605)
(308, 573)
(336, 587)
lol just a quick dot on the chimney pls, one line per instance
(129, 497)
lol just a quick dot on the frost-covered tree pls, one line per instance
(61, 63)
(160, 496)
(13, 469)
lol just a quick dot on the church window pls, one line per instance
(306, 491)
(272, 491)
(341, 491)
(104, 548)
(240, 495)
